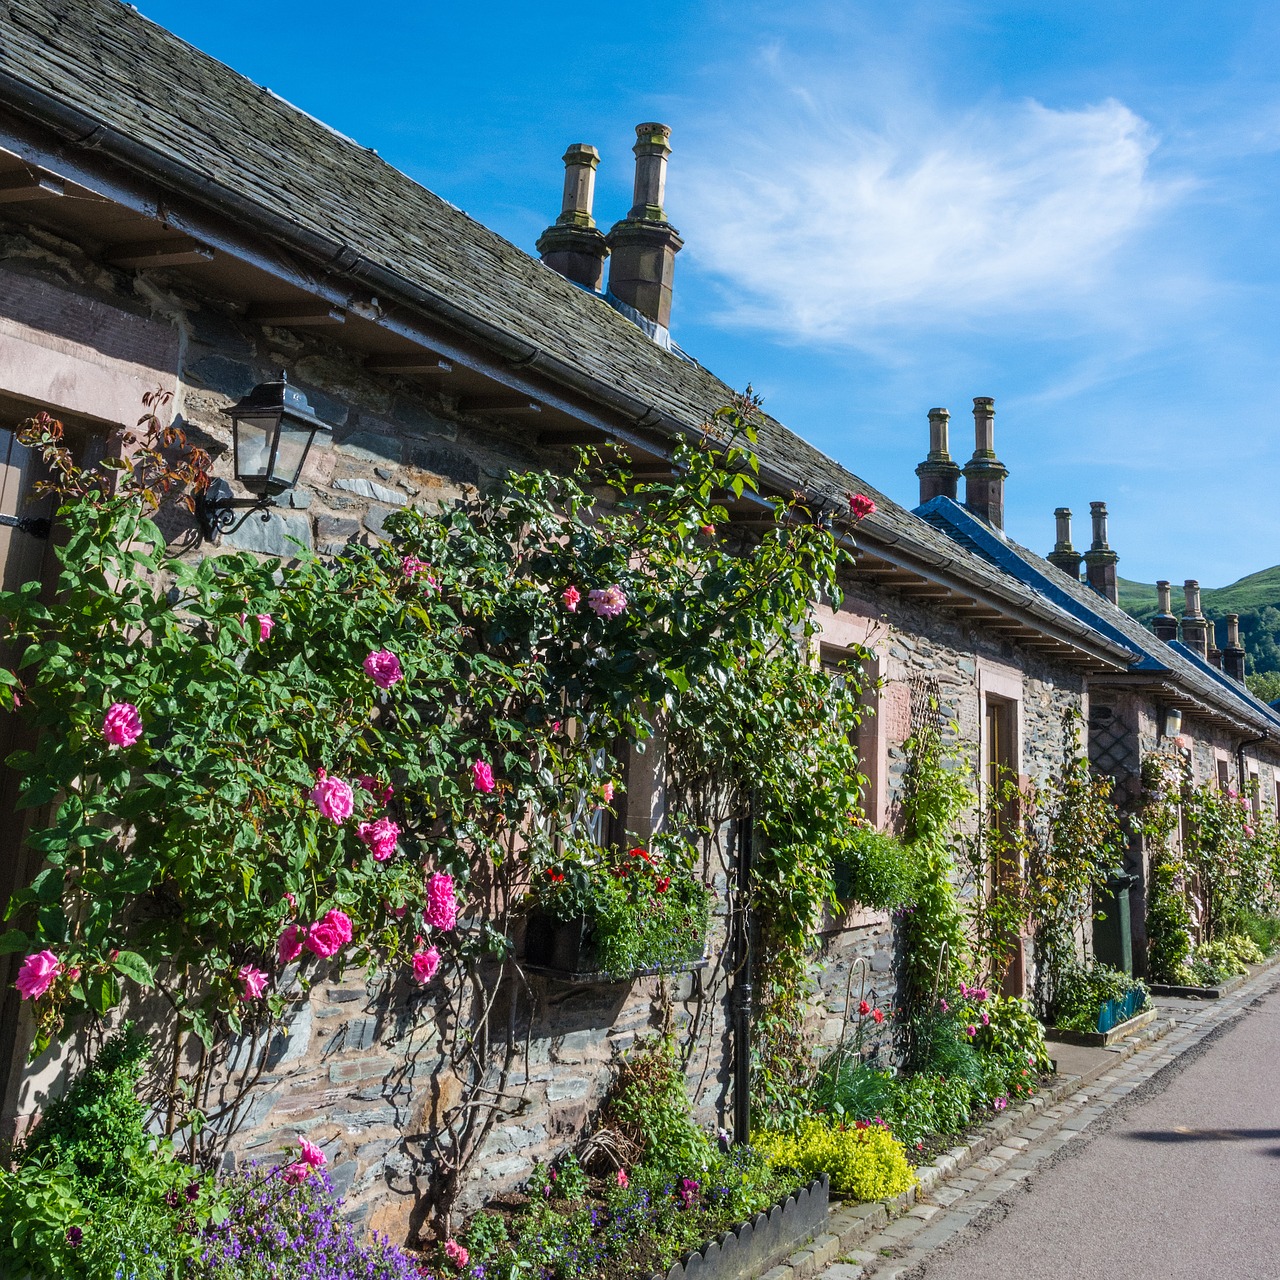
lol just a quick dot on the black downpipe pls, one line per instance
(743, 961)
(1240, 750)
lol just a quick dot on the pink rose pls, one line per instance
(860, 506)
(986, 1018)
(1248, 831)
(971, 1030)
(412, 568)
(456, 1253)
(383, 668)
(253, 980)
(623, 1180)
(312, 1155)
(425, 964)
(289, 947)
(607, 792)
(571, 596)
(380, 836)
(380, 791)
(296, 1173)
(442, 905)
(607, 602)
(265, 623)
(328, 936)
(333, 798)
(292, 901)
(37, 974)
(482, 776)
(122, 725)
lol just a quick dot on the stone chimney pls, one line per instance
(1100, 560)
(1195, 630)
(1233, 654)
(1215, 654)
(984, 474)
(939, 475)
(1064, 555)
(573, 245)
(1164, 624)
(644, 244)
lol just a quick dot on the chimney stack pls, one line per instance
(1164, 624)
(939, 475)
(1100, 560)
(984, 473)
(573, 245)
(1195, 630)
(644, 244)
(1233, 654)
(1215, 654)
(1064, 555)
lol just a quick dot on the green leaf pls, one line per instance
(132, 965)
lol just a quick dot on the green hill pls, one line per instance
(1255, 598)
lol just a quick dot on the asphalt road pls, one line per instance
(1182, 1180)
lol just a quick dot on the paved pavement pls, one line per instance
(1166, 1167)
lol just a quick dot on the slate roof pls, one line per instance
(1151, 656)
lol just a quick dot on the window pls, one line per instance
(1224, 775)
(1255, 794)
(867, 736)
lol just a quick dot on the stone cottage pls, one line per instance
(188, 229)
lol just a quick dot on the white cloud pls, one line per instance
(825, 227)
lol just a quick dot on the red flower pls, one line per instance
(877, 1015)
(860, 506)
(664, 883)
(641, 853)
(554, 875)
(863, 1009)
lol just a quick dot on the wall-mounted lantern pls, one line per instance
(1172, 722)
(272, 431)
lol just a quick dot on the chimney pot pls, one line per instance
(1195, 630)
(573, 245)
(1233, 656)
(1100, 561)
(939, 475)
(1164, 624)
(1064, 555)
(644, 244)
(984, 473)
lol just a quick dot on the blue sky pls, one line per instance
(1071, 207)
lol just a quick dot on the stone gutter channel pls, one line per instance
(887, 1238)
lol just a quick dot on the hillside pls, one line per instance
(1255, 598)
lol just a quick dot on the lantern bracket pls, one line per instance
(216, 508)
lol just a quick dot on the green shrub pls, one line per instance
(649, 1104)
(1010, 1046)
(865, 1161)
(923, 1106)
(94, 1196)
(875, 869)
(1244, 949)
(1083, 990)
(1264, 930)
(1214, 962)
(848, 1089)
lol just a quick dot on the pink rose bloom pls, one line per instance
(122, 725)
(380, 791)
(333, 798)
(289, 947)
(607, 792)
(312, 1155)
(380, 836)
(943, 1005)
(571, 596)
(607, 602)
(254, 982)
(383, 668)
(328, 936)
(971, 1030)
(37, 974)
(265, 623)
(623, 1180)
(482, 776)
(1248, 831)
(425, 964)
(296, 1173)
(986, 1018)
(412, 567)
(442, 905)
(292, 901)
(860, 506)
(456, 1253)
